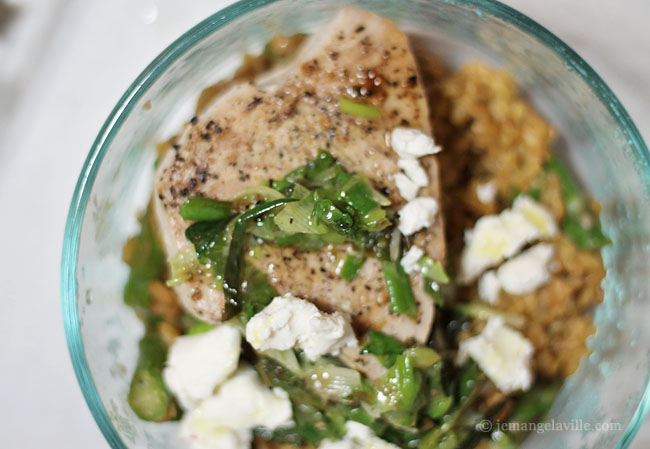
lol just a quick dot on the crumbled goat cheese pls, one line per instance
(489, 287)
(495, 238)
(527, 271)
(411, 143)
(227, 419)
(414, 171)
(410, 259)
(357, 436)
(407, 188)
(502, 353)
(197, 364)
(417, 214)
(487, 192)
(536, 214)
(294, 322)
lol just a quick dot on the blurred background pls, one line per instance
(63, 66)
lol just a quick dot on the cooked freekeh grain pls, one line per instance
(490, 134)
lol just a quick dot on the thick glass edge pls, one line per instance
(177, 48)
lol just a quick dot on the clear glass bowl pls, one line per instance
(598, 138)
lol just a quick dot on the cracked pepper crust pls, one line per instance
(262, 130)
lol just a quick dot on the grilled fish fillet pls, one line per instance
(261, 130)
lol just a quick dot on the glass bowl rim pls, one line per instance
(175, 50)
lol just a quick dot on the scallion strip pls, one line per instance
(203, 209)
(433, 270)
(351, 266)
(401, 296)
(264, 192)
(234, 261)
(362, 110)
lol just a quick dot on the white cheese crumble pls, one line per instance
(411, 143)
(502, 353)
(197, 364)
(495, 238)
(358, 436)
(407, 188)
(527, 271)
(410, 259)
(486, 192)
(489, 287)
(227, 419)
(294, 322)
(417, 214)
(536, 214)
(414, 171)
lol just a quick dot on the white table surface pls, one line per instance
(63, 65)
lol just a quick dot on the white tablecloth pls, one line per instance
(63, 65)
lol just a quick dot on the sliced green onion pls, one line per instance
(362, 110)
(439, 404)
(326, 212)
(581, 225)
(311, 170)
(257, 192)
(200, 327)
(400, 386)
(433, 270)
(385, 347)
(202, 209)
(351, 266)
(300, 192)
(281, 185)
(395, 247)
(287, 359)
(432, 288)
(182, 266)
(483, 311)
(422, 356)
(334, 382)
(256, 291)
(297, 218)
(358, 195)
(148, 395)
(399, 289)
(234, 262)
(211, 241)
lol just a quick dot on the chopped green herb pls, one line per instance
(362, 110)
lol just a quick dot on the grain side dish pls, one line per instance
(352, 246)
